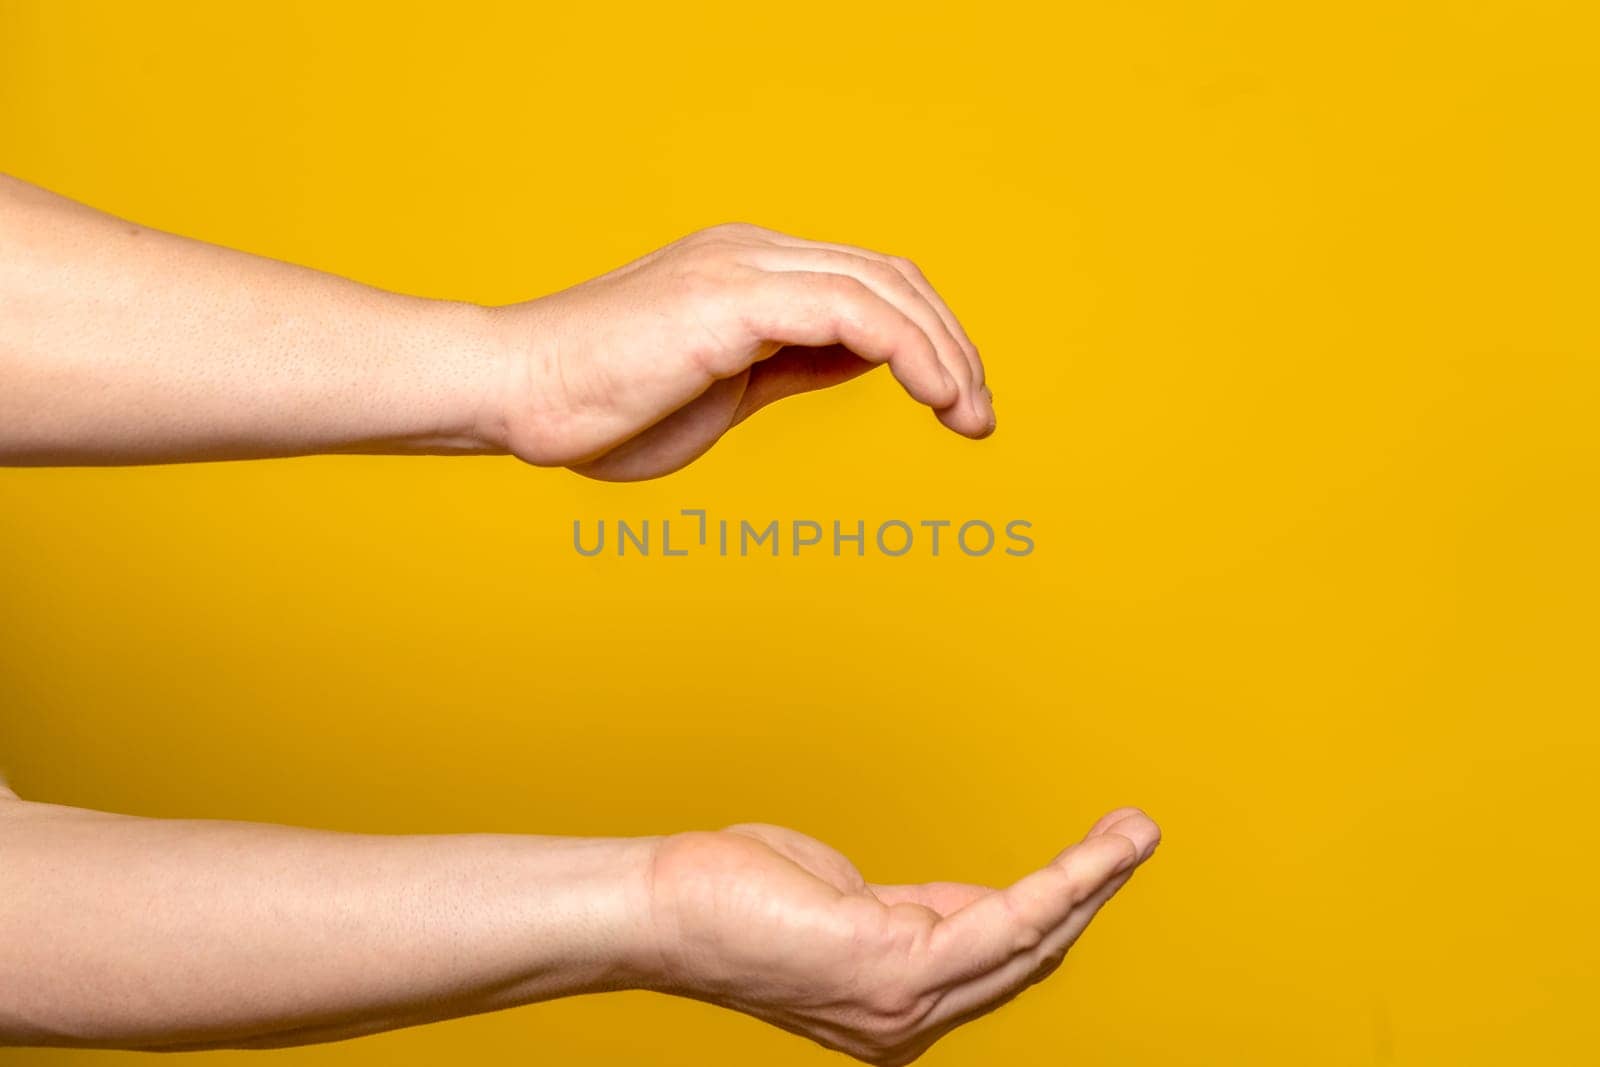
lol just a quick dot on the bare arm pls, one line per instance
(168, 934)
(121, 344)
(123, 932)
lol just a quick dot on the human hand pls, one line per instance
(775, 924)
(290, 936)
(638, 372)
(128, 345)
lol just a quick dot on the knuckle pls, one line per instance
(691, 242)
(1026, 935)
(906, 267)
(712, 252)
(842, 284)
(725, 230)
(1079, 890)
(843, 292)
(887, 273)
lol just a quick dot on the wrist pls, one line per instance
(526, 415)
(642, 955)
(462, 379)
(611, 937)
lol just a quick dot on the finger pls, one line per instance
(945, 898)
(992, 930)
(897, 289)
(1110, 819)
(817, 309)
(670, 443)
(988, 991)
(797, 370)
(980, 398)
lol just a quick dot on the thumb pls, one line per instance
(797, 369)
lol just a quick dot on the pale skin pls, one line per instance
(120, 344)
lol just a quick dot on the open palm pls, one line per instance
(780, 926)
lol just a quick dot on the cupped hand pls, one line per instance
(780, 926)
(638, 372)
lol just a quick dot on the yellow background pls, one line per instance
(1290, 315)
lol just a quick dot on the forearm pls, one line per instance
(120, 344)
(141, 933)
